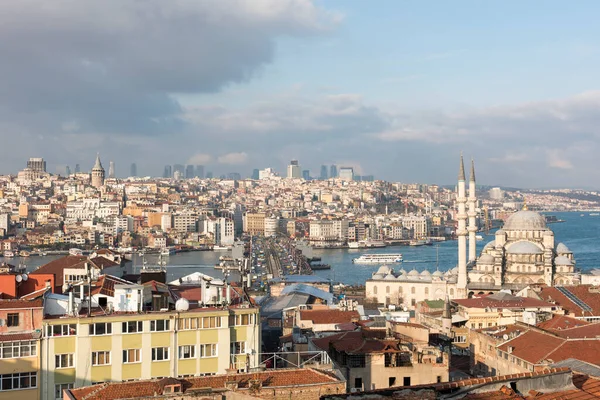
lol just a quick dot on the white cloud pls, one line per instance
(233, 158)
(556, 158)
(199, 159)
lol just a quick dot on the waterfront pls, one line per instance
(580, 234)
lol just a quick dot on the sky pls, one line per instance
(395, 89)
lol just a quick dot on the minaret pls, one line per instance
(461, 232)
(447, 317)
(97, 173)
(472, 215)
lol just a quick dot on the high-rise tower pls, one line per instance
(461, 232)
(133, 170)
(97, 173)
(111, 170)
(472, 229)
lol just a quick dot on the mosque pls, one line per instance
(523, 253)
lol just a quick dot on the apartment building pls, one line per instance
(254, 223)
(80, 351)
(20, 321)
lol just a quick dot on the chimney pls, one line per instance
(510, 349)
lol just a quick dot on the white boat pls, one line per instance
(8, 254)
(365, 244)
(479, 238)
(378, 258)
(221, 248)
(75, 252)
(165, 252)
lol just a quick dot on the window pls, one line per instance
(62, 330)
(406, 381)
(131, 356)
(159, 325)
(387, 289)
(211, 322)
(132, 327)
(187, 323)
(160, 353)
(439, 379)
(391, 381)
(426, 290)
(358, 383)
(26, 348)
(100, 357)
(63, 361)
(187, 352)
(374, 289)
(12, 319)
(238, 347)
(58, 389)
(210, 350)
(101, 328)
(460, 339)
(241, 319)
(23, 380)
(412, 290)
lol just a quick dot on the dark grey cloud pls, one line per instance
(112, 66)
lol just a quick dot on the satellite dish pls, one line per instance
(25, 277)
(505, 336)
(182, 305)
(18, 278)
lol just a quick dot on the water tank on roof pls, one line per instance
(182, 305)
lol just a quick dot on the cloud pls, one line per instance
(199, 159)
(233, 158)
(556, 158)
(113, 66)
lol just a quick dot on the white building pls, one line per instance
(294, 170)
(271, 226)
(496, 194)
(221, 229)
(346, 174)
(88, 209)
(267, 173)
(418, 224)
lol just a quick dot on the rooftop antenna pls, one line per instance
(437, 257)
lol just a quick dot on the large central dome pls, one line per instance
(525, 221)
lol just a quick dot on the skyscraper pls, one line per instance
(306, 174)
(168, 172)
(67, 170)
(293, 170)
(200, 171)
(323, 172)
(37, 164)
(111, 169)
(255, 174)
(346, 173)
(333, 171)
(189, 171)
(209, 175)
(180, 168)
(133, 170)
(77, 169)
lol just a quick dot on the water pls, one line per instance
(580, 234)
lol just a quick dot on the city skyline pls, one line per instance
(379, 89)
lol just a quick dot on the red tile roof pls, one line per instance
(589, 294)
(329, 316)
(9, 304)
(57, 267)
(129, 390)
(355, 342)
(14, 337)
(558, 322)
(517, 302)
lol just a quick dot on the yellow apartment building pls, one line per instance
(80, 351)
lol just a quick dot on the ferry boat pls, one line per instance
(8, 254)
(167, 252)
(420, 242)
(75, 252)
(594, 214)
(551, 219)
(378, 258)
(364, 244)
(221, 248)
(479, 238)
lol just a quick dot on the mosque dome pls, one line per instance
(485, 259)
(413, 272)
(384, 270)
(402, 271)
(425, 273)
(377, 276)
(524, 247)
(389, 277)
(438, 273)
(562, 248)
(490, 245)
(525, 220)
(562, 260)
